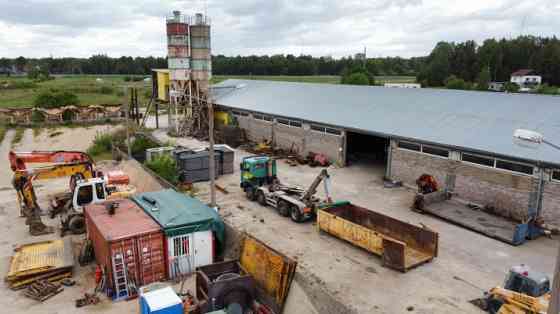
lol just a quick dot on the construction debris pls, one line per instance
(88, 299)
(46, 261)
(42, 290)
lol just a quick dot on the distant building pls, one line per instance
(403, 85)
(360, 56)
(497, 86)
(527, 79)
(7, 71)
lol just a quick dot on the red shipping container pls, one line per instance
(129, 234)
(177, 29)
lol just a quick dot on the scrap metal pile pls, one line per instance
(49, 261)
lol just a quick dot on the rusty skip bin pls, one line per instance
(401, 245)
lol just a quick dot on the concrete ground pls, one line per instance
(466, 260)
(329, 266)
(13, 230)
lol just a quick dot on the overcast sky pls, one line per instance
(80, 28)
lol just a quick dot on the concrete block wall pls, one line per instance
(328, 144)
(288, 137)
(300, 139)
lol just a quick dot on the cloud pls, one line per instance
(406, 28)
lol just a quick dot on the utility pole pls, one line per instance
(126, 125)
(554, 304)
(212, 168)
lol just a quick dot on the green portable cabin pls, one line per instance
(194, 232)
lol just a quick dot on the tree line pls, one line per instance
(221, 65)
(494, 60)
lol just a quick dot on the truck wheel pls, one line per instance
(283, 208)
(261, 198)
(250, 193)
(77, 224)
(295, 214)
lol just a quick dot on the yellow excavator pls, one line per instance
(86, 186)
(525, 292)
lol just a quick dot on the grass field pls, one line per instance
(86, 87)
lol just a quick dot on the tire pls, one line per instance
(283, 208)
(261, 198)
(494, 305)
(250, 193)
(295, 214)
(77, 224)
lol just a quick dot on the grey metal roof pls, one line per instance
(478, 121)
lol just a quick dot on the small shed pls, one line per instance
(128, 244)
(194, 232)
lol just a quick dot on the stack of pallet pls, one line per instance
(49, 261)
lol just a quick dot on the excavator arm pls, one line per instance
(27, 199)
(19, 160)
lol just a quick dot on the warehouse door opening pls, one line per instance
(364, 149)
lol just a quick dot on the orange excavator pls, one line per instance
(87, 185)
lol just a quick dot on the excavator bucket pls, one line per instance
(37, 227)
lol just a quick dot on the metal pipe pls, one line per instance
(212, 165)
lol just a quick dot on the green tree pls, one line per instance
(454, 82)
(357, 78)
(54, 99)
(483, 79)
(511, 87)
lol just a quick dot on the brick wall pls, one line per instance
(551, 203)
(509, 193)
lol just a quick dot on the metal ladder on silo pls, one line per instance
(119, 274)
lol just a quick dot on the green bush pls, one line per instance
(545, 89)
(37, 116)
(140, 144)
(511, 87)
(54, 99)
(102, 143)
(106, 90)
(164, 166)
(453, 82)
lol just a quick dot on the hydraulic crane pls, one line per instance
(259, 181)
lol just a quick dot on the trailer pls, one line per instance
(401, 245)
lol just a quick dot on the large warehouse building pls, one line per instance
(463, 138)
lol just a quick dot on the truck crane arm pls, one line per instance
(322, 177)
(18, 160)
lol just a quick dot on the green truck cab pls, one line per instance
(256, 171)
